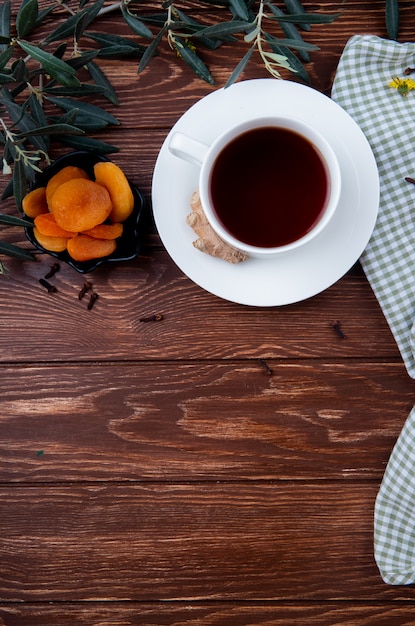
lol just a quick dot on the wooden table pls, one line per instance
(156, 473)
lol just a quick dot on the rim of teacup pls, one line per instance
(327, 155)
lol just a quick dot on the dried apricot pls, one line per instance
(85, 248)
(105, 231)
(53, 244)
(80, 204)
(46, 224)
(111, 176)
(66, 173)
(34, 203)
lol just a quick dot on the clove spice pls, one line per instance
(50, 288)
(92, 299)
(337, 329)
(53, 269)
(86, 287)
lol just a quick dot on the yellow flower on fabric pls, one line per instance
(402, 85)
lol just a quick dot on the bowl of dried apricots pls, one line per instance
(85, 211)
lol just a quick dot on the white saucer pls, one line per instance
(288, 277)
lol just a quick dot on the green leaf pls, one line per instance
(38, 114)
(53, 129)
(295, 44)
(11, 220)
(294, 62)
(224, 29)
(11, 250)
(6, 78)
(113, 40)
(240, 67)
(19, 183)
(240, 8)
(20, 72)
(22, 119)
(295, 6)
(5, 56)
(36, 110)
(8, 191)
(5, 20)
(87, 143)
(43, 13)
(26, 17)
(114, 52)
(151, 50)
(195, 27)
(249, 37)
(136, 25)
(82, 60)
(68, 118)
(308, 18)
(57, 68)
(79, 92)
(392, 18)
(192, 60)
(289, 29)
(66, 104)
(67, 29)
(102, 81)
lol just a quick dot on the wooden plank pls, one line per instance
(212, 541)
(229, 421)
(197, 325)
(208, 614)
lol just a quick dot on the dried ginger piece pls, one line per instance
(208, 241)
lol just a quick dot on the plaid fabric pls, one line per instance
(366, 67)
(361, 87)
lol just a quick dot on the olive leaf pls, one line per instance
(26, 17)
(136, 25)
(87, 143)
(89, 110)
(193, 61)
(102, 81)
(14, 251)
(67, 29)
(57, 68)
(240, 9)
(151, 50)
(224, 30)
(11, 220)
(20, 179)
(295, 63)
(392, 18)
(240, 67)
(295, 6)
(5, 21)
(289, 29)
(52, 129)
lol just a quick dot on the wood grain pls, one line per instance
(183, 542)
(196, 325)
(200, 421)
(208, 614)
(159, 473)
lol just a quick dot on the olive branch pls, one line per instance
(37, 76)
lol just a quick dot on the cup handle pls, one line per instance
(187, 148)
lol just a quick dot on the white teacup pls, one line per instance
(266, 185)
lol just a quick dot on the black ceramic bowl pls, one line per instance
(128, 245)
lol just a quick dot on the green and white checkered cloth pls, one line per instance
(366, 67)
